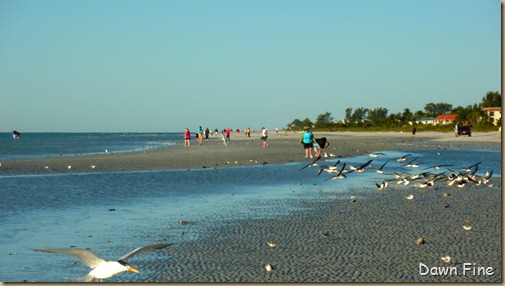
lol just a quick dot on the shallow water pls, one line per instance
(112, 213)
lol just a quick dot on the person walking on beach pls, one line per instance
(187, 137)
(228, 133)
(264, 136)
(200, 135)
(207, 132)
(308, 141)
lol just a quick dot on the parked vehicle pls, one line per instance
(463, 129)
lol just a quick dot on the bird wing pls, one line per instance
(143, 249)
(364, 165)
(317, 158)
(86, 256)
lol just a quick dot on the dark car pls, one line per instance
(461, 129)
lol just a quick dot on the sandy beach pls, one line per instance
(372, 239)
(283, 148)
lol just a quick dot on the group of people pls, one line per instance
(200, 134)
(308, 140)
(311, 144)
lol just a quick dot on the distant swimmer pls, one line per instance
(16, 134)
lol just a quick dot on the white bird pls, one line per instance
(409, 197)
(272, 244)
(103, 269)
(446, 259)
(268, 267)
(467, 227)
(69, 167)
(93, 166)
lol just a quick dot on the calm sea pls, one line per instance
(112, 213)
(31, 145)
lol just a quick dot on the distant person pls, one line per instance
(414, 131)
(228, 133)
(322, 144)
(16, 134)
(187, 137)
(308, 141)
(207, 132)
(200, 135)
(264, 136)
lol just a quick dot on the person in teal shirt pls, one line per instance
(308, 141)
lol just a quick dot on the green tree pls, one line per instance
(492, 99)
(359, 114)
(434, 109)
(295, 124)
(323, 119)
(307, 122)
(377, 114)
(348, 114)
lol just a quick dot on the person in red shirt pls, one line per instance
(187, 137)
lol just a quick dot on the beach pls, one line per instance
(283, 147)
(355, 235)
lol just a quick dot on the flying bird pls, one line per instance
(403, 158)
(103, 269)
(311, 164)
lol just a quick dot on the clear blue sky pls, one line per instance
(161, 65)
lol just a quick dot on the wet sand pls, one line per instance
(283, 148)
(370, 240)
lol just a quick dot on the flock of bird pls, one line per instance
(426, 177)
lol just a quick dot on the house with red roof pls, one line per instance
(445, 119)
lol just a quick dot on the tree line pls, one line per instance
(380, 116)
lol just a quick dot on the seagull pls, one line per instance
(103, 269)
(272, 244)
(467, 227)
(328, 168)
(340, 174)
(382, 186)
(380, 171)
(375, 155)
(403, 158)
(313, 163)
(409, 197)
(361, 168)
(446, 259)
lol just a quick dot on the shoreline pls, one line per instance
(284, 148)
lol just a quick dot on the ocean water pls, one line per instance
(31, 145)
(112, 213)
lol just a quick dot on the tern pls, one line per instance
(380, 171)
(403, 158)
(103, 269)
(313, 163)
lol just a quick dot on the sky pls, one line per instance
(164, 65)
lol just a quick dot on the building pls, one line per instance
(426, 120)
(445, 119)
(494, 114)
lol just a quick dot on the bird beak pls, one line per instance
(133, 269)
